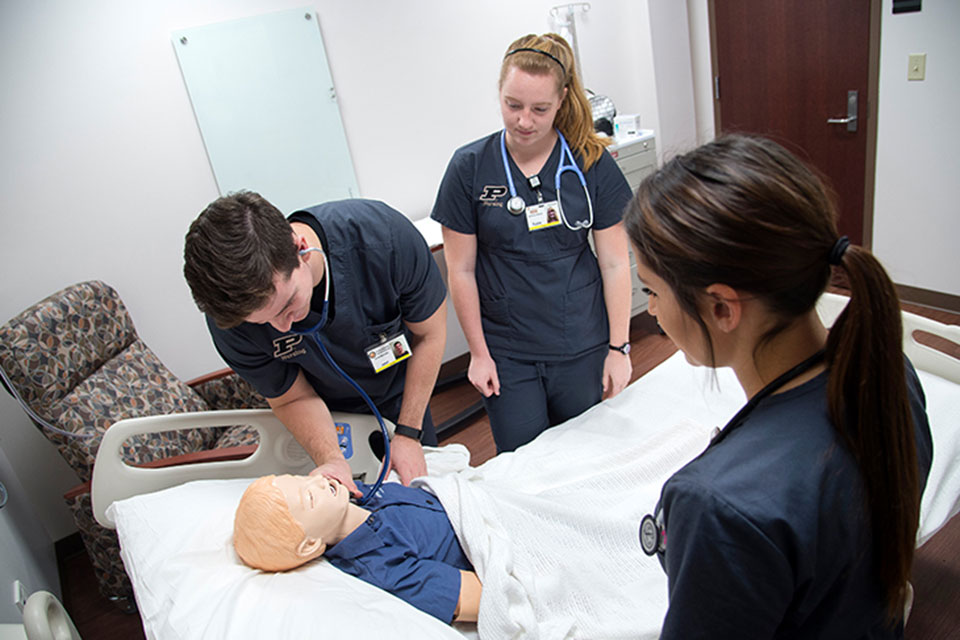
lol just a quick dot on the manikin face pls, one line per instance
(675, 322)
(317, 503)
(290, 301)
(529, 104)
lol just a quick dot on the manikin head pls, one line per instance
(285, 521)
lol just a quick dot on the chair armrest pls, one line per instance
(224, 389)
(213, 375)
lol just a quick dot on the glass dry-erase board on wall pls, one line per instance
(264, 100)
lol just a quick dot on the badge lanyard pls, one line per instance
(516, 204)
(653, 535)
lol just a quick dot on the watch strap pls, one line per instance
(624, 348)
(410, 432)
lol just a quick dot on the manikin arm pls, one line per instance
(468, 606)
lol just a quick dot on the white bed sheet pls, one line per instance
(189, 584)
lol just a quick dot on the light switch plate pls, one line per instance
(917, 67)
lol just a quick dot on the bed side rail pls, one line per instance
(916, 344)
(278, 452)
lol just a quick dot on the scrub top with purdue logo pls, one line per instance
(541, 297)
(383, 274)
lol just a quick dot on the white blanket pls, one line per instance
(552, 529)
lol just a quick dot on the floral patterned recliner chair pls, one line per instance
(76, 363)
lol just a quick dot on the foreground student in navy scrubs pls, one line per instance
(800, 518)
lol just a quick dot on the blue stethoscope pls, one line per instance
(315, 330)
(516, 205)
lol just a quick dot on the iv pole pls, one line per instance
(564, 17)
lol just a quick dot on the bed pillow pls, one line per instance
(189, 583)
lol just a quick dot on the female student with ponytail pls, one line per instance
(546, 321)
(799, 520)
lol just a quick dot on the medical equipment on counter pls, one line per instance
(315, 331)
(626, 126)
(516, 204)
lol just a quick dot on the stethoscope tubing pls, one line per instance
(566, 155)
(315, 332)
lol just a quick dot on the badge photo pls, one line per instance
(388, 352)
(543, 215)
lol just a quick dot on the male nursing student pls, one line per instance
(266, 282)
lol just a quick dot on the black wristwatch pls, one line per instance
(624, 348)
(410, 432)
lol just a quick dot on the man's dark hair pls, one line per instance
(231, 254)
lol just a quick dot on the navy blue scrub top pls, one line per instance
(383, 274)
(407, 547)
(541, 297)
(766, 534)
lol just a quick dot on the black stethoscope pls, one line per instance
(315, 331)
(652, 532)
(516, 205)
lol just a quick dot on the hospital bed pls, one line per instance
(551, 528)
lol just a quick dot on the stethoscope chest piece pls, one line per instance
(516, 205)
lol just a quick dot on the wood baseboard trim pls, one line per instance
(927, 298)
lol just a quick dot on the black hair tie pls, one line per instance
(839, 248)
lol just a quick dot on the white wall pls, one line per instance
(917, 202)
(102, 166)
(27, 551)
(670, 37)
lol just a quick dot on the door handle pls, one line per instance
(851, 119)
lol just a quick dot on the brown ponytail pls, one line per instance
(868, 401)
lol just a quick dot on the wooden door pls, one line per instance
(783, 68)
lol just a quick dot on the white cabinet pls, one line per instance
(637, 158)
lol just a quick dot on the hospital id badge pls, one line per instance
(543, 215)
(388, 352)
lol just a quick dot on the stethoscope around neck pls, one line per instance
(652, 529)
(516, 204)
(315, 331)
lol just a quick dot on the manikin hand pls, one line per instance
(406, 458)
(616, 373)
(482, 374)
(340, 471)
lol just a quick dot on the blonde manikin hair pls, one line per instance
(575, 118)
(265, 535)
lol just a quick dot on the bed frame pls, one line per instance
(278, 452)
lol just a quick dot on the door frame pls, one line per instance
(873, 84)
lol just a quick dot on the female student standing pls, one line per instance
(546, 321)
(800, 518)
